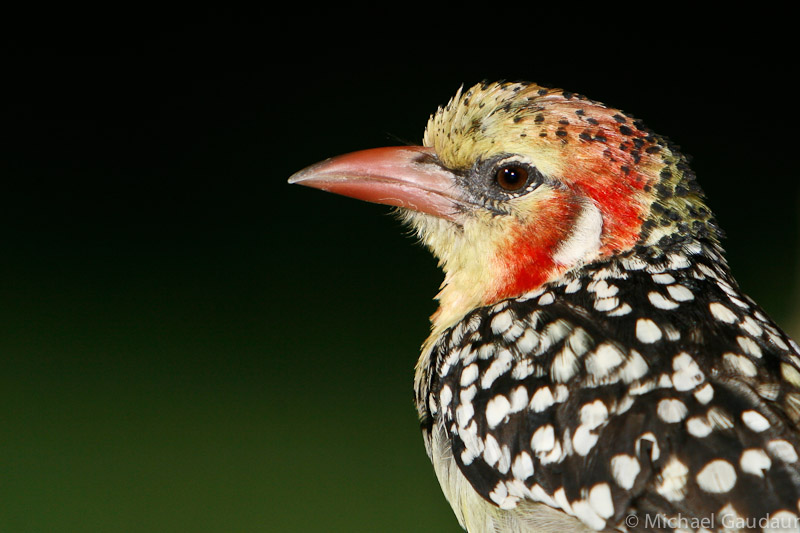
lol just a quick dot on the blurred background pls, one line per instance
(187, 343)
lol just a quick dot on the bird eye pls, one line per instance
(511, 177)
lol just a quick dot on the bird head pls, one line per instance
(517, 185)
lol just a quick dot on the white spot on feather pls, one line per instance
(556, 455)
(486, 351)
(543, 439)
(560, 497)
(523, 466)
(698, 427)
(542, 399)
(601, 501)
(635, 367)
(751, 326)
(499, 366)
(504, 464)
(671, 410)
(584, 511)
(500, 496)
(647, 331)
(514, 331)
(755, 421)
(547, 298)
(790, 374)
(777, 341)
(704, 394)
(606, 304)
(603, 289)
(553, 333)
(491, 451)
(464, 414)
(660, 301)
(445, 395)
(605, 358)
(535, 293)
(739, 364)
(561, 393)
(473, 445)
(593, 414)
(573, 286)
(625, 468)
(622, 310)
(687, 373)
(538, 494)
(680, 293)
(693, 248)
(496, 410)
(467, 355)
(642, 388)
(678, 261)
(738, 302)
(795, 347)
(583, 440)
(469, 375)
(564, 366)
(528, 341)
(672, 480)
(466, 395)
(722, 313)
(783, 450)
(523, 369)
(519, 399)
(749, 346)
(501, 322)
(755, 461)
(717, 477)
(579, 341)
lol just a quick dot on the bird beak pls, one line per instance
(403, 176)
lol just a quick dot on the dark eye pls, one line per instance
(511, 177)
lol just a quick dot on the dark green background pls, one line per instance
(187, 343)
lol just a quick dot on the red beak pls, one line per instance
(404, 176)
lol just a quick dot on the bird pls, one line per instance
(593, 364)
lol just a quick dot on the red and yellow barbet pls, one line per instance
(593, 364)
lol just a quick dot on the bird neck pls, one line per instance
(510, 256)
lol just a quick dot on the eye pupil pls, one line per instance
(512, 178)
